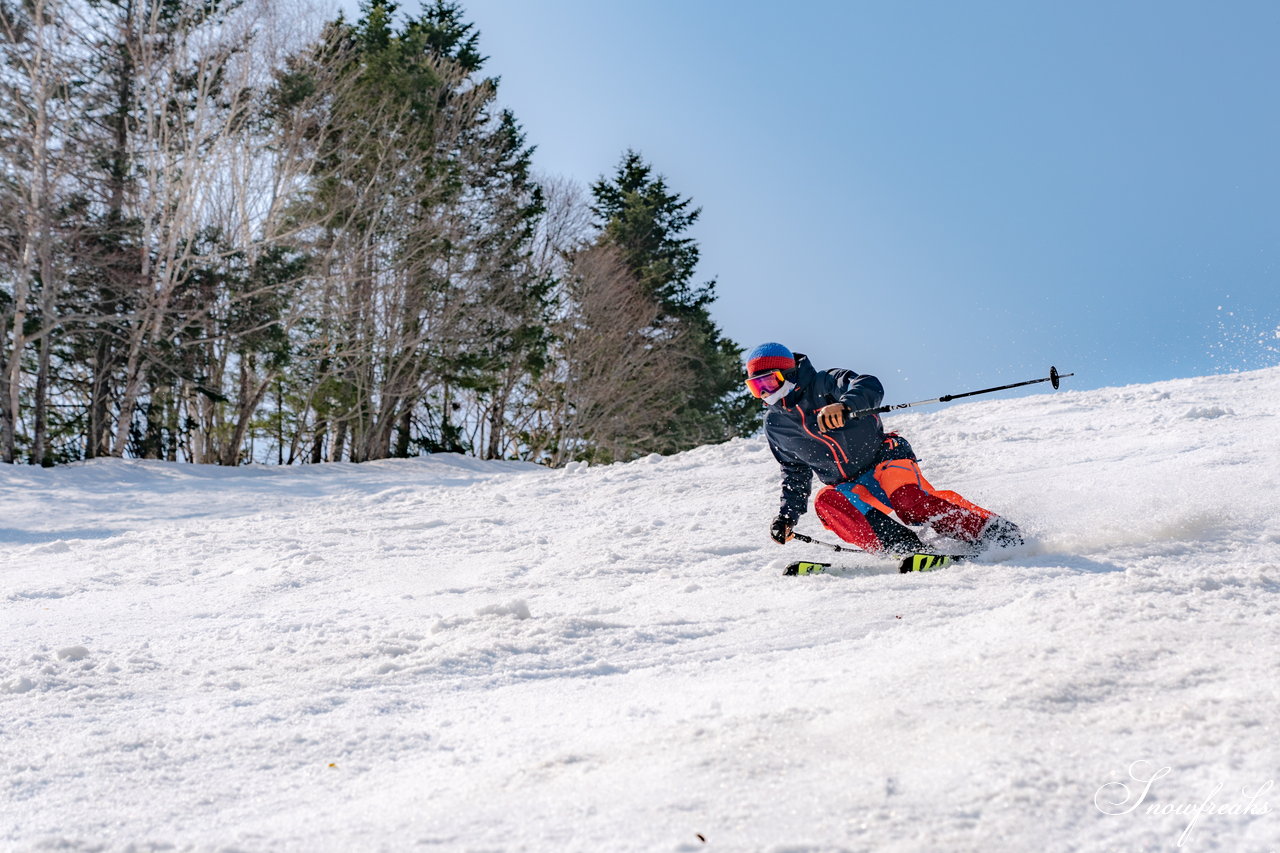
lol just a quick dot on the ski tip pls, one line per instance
(805, 568)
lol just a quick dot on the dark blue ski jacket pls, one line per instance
(791, 426)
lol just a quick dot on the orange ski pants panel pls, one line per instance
(918, 502)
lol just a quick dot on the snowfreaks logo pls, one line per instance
(1117, 798)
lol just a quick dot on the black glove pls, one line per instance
(780, 530)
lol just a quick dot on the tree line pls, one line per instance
(226, 236)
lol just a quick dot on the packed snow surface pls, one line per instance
(448, 654)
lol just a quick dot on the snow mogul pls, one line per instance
(812, 429)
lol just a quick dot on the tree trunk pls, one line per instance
(40, 454)
(13, 382)
(7, 425)
(250, 399)
(403, 436)
(317, 444)
(339, 440)
(97, 441)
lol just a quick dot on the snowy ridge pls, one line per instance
(449, 654)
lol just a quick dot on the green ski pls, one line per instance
(910, 563)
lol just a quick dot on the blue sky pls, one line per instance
(945, 194)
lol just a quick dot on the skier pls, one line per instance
(868, 475)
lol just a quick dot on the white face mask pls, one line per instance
(780, 393)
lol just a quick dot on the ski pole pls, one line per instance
(1053, 377)
(813, 541)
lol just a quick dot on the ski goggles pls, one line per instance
(765, 384)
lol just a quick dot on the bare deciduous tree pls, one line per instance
(621, 373)
(34, 104)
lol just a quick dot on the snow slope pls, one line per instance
(455, 655)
